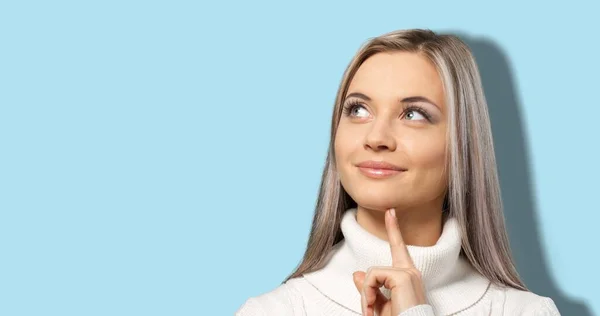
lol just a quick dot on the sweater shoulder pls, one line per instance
(285, 299)
(520, 302)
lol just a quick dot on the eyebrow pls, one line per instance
(405, 100)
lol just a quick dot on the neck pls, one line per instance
(420, 226)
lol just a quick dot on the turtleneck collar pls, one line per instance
(451, 283)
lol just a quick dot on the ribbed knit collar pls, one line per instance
(451, 283)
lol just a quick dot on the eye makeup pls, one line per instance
(407, 108)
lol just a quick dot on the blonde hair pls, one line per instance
(473, 195)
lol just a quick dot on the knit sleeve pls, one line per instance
(250, 308)
(542, 307)
(419, 310)
(283, 300)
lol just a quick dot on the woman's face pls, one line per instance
(394, 112)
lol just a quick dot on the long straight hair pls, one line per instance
(473, 195)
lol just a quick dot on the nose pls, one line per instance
(380, 137)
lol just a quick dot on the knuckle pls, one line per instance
(404, 277)
(416, 273)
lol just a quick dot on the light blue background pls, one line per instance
(163, 157)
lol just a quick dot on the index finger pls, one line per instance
(400, 256)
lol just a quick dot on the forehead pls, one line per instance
(397, 75)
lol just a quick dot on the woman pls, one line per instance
(409, 218)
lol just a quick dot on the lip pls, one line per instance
(379, 169)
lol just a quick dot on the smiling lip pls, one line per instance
(379, 169)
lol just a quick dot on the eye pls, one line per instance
(414, 115)
(355, 110)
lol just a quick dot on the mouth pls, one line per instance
(379, 169)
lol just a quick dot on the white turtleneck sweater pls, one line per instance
(452, 285)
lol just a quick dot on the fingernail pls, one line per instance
(393, 211)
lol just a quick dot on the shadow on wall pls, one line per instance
(510, 143)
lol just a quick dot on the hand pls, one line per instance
(402, 278)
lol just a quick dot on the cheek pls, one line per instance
(346, 143)
(427, 154)
(427, 158)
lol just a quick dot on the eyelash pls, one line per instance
(348, 107)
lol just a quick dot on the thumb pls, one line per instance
(359, 278)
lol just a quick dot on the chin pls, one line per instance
(377, 202)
